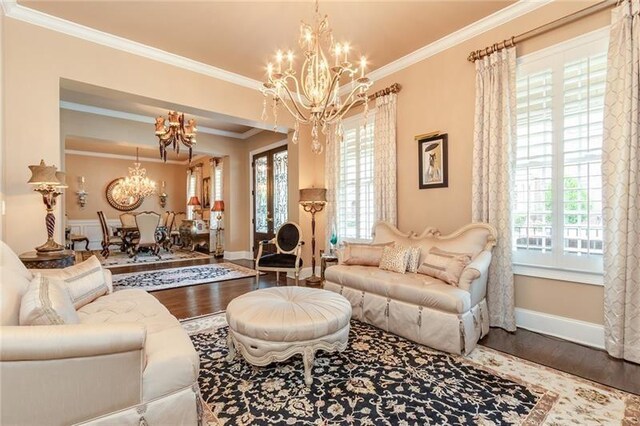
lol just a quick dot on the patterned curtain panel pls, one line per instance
(493, 167)
(621, 186)
(331, 181)
(384, 161)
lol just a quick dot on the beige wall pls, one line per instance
(438, 94)
(99, 171)
(33, 97)
(2, 136)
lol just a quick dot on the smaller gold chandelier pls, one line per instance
(137, 184)
(177, 133)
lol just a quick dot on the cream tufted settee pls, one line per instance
(128, 361)
(416, 306)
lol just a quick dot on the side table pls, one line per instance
(324, 259)
(50, 260)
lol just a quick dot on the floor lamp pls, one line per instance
(49, 182)
(218, 207)
(312, 201)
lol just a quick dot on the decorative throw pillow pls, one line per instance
(85, 281)
(363, 254)
(444, 265)
(46, 302)
(414, 259)
(394, 258)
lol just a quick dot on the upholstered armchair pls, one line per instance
(108, 240)
(147, 224)
(287, 258)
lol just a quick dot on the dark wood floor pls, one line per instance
(582, 361)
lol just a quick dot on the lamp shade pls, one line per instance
(218, 206)
(193, 201)
(43, 174)
(313, 196)
(62, 178)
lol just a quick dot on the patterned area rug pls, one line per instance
(162, 279)
(385, 379)
(117, 258)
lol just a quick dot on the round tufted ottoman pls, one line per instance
(274, 324)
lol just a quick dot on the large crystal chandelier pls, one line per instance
(137, 184)
(177, 133)
(315, 98)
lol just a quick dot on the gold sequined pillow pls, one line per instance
(445, 265)
(394, 258)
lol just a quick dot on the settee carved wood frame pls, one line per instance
(431, 232)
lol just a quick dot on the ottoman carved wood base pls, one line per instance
(272, 325)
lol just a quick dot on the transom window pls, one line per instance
(560, 108)
(354, 195)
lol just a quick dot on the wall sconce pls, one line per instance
(163, 195)
(82, 194)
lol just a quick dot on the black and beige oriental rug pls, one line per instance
(383, 379)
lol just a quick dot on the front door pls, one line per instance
(270, 195)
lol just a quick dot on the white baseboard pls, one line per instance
(238, 255)
(586, 333)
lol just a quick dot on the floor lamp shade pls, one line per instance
(313, 195)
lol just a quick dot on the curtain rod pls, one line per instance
(394, 88)
(598, 7)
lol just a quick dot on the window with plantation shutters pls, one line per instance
(557, 218)
(354, 195)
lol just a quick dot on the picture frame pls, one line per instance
(433, 167)
(206, 193)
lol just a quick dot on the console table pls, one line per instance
(194, 233)
(49, 260)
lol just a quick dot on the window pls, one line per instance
(217, 181)
(355, 209)
(560, 105)
(192, 182)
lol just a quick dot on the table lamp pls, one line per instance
(313, 201)
(49, 182)
(195, 203)
(218, 207)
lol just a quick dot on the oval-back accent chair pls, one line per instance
(288, 255)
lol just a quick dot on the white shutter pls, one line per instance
(355, 208)
(558, 209)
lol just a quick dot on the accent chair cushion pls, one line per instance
(85, 281)
(447, 266)
(394, 259)
(363, 254)
(278, 260)
(46, 302)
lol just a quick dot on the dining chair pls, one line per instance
(175, 229)
(167, 243)
(107, 239)
(147, 223)
(164, 221)
(288, 242)
(128, 220)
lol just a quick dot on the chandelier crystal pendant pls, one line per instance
(137, 184)
(315, 98)
(177, 133)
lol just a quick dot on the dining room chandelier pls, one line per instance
(315, 97)
(137, 184)
(176, 133)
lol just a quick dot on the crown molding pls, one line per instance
(25, 14)
(124, 157)
(501, 17)
(16, 11)
(105, 112)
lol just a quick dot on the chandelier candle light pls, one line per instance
(49, 182)
(137, 184)
(177, 133)
(315, 98)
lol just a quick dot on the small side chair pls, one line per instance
(288, 242)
